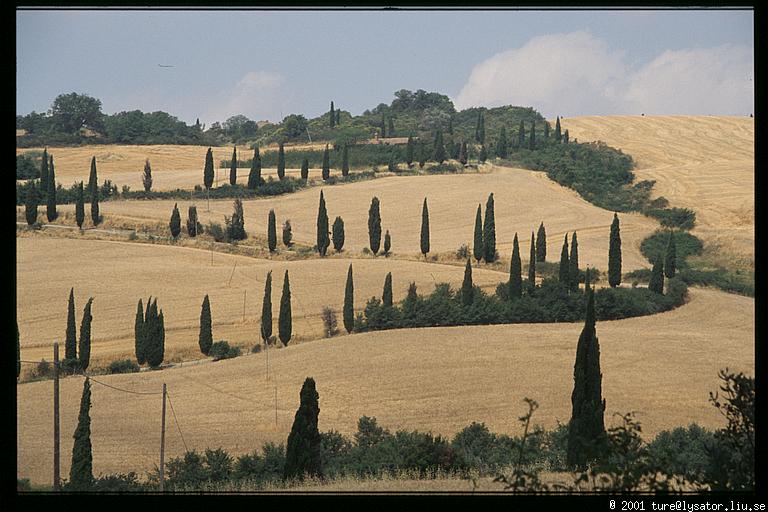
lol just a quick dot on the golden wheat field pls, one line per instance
(434, 379)
(180, 277)
(173, 166)
(703, 163)
(522, 200)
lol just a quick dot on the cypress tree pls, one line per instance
(477, 246)
(391, 128)
(501, 144)
(193, 226)
(332, 117)
(266, 310)
(515, 272)
(155, 340)
(489, 232)
(70, 343)
(305, 169)
(254, 176)
(541, 244)
(387, 243)
(483, 154)
(205, 340)
(558, 135)
(175, 222)
(532, 265)
(84, 346)
(146, 177)
(564, 264)
(160, 354)
(408, 152)
(284, 322)
(463, 153)
(326, 164)
(93, 189)
(573, 264)
(565, 137)
(51, 195)
(81, 469)
(272, 231)
(236, 228)
(303, 455)
(322, 227)
(44, 171)
(532, 139)
(422, 155)
(138, 331)
(349, 301)
(30, 205)
(338, 234)
(386, 298)
(382, 127)
(614, 254)
(424, 229)
(670, 258)
(656, 281)
(586, 430)
(233, 168)
(374, 225)
(439, 148)
(287, 234)
(467, 289)
(80, 206)
(546, 131)
(208, 169)
(345, 161)
(521, 135)
(281, 161)
(480, 128)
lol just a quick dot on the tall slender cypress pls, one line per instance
(175, 222)
(30, 205)
(463, 154)
(303, 452)
(558, 134)
(332, 117)
(208, 170)
(345, 161)
(386, 297)
(467, 288)
(70, 341)
(566, 137)
(383, 127)
(80, 206)
(521, 135)
(146, 177)
(387, 243)
(254, 176)
(541, 244)
(424, 229)
(266, 310)
(532, 138)
(477, 246)
(573, 264)
(532, 265)
(349, 302)
(439, 148)
(656, 281)
(305, 169)
(546, 131)
(84, 346)
(501, 144)
(614, 254)
(50, 210)
(586, 430)
(287, 233)
(272, 231)
(489, 232)
(374, 225)
(138, 331)
(322, 227)
(205, 339)
(281, 161)
(81, 469)
(193, 226)
(515, 272)
(338, 234)
(44, 171)
(670, 257)
(155, 340)
(326, 164)
(564, 264)
(233, 168)
(285, 321)
(93, 190)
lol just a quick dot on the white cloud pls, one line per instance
(258, 95)
(578, 74)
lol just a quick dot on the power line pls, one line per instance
(123, 390)
(177, 422)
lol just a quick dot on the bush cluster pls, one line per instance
(122, 366)
(222, 350)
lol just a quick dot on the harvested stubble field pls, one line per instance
(523, 199)
(124, 272)
(437, 379)
(703, 163)
(173, 166)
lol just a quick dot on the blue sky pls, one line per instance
(267, 64)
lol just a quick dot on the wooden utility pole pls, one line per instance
(162, 446)
(56, 430)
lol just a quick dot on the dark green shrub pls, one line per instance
(686, 245)
(222, 350)
(680, 218)
(217, 232)
(69, 366)
(119, 483)
(122, 366)
(260, 468)
(682, 451)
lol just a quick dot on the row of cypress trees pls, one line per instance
(71, 343)
(149, 334)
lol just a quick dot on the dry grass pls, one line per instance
(706, 164)
(123, 272)
(437, 379)
(523, 199)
